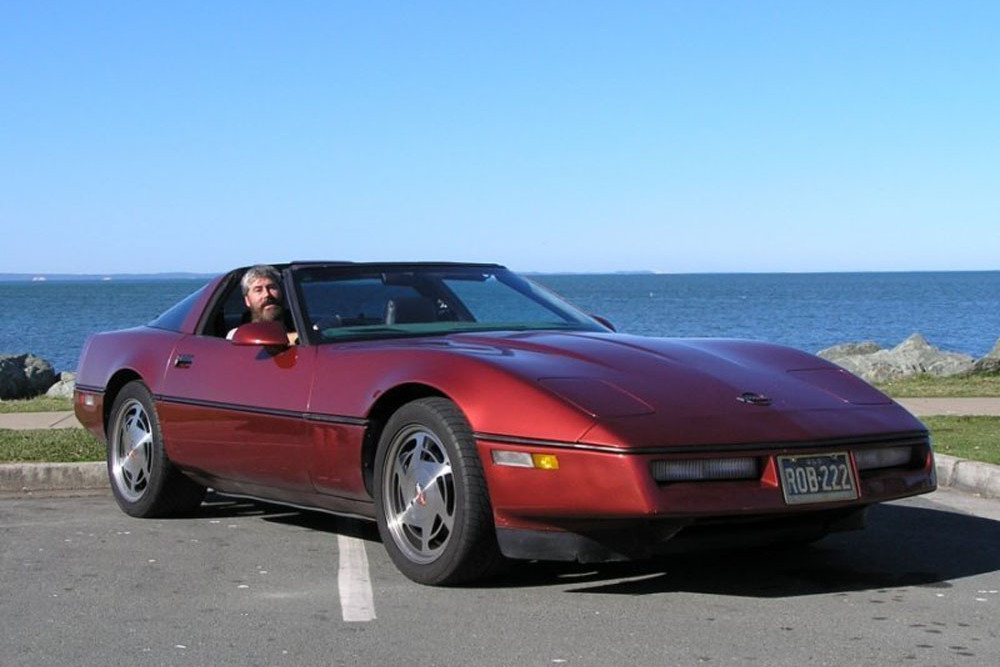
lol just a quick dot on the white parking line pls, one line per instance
(356, 601)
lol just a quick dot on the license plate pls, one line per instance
(817, 478)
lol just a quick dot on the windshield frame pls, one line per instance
(430, 279)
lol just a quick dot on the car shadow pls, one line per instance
(219, 506)
(902, 547)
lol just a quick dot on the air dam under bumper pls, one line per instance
(644, 539)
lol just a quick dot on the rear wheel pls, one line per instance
(432, 505)
(143, 480)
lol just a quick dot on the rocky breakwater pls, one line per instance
(27, 376)
(914, 356)
(990, 363)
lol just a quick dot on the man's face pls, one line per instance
(264, 300)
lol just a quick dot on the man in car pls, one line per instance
(261, 287)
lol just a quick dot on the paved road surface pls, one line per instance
(245, 584)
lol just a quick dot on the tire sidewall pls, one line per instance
(145, 505)
(423, 413)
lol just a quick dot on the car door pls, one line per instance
(236, 411)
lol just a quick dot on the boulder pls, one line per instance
(915, 355)
(911, 357)
(64, 386)
(991, 362)
(850, 350)
(24, 376)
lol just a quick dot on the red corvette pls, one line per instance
(476, 417)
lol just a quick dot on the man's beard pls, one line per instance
(265, 314)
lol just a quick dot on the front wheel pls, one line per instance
(431, 501)
(143, 480)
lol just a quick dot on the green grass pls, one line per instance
(63, 445)
(956, 386)
(976, 438)
(916, 386)
(38, 404)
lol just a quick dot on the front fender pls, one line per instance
(495, 401)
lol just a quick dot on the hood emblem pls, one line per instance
(751, 398)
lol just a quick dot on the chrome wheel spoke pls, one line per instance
(439, 513)
(132, 451)
(436, 472)
(410, 515)
(419, 447)
(418, 494)
(403, 476)
(404, 518)
(425, 538)
(128, 469)
(135, 433)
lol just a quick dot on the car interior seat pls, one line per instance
(408, 310)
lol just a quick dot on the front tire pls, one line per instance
(432, 505)
(143, 480)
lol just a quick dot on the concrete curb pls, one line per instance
(45, 477)
(982, 479)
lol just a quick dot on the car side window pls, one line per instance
(228, 313)
(230, 310)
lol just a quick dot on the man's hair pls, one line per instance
(256, 273)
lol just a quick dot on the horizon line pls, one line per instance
(100, 276)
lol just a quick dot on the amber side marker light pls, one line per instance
(503, 457)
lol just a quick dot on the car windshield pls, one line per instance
(351, 302)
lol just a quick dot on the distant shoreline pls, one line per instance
(100, 277)
(136, 277)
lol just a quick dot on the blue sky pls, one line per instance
(700, 136)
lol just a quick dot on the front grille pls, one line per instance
(700, 470)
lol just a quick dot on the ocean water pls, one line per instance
(52, 319)
(956, 311)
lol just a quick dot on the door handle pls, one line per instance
(184, 360)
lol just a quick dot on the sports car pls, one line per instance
(477, 417)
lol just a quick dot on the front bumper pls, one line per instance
(88, 406)
(606, 505)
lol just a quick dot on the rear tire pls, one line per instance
(431, 501)
(143, 480)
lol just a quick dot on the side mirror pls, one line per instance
(268, 334)
(605, 321)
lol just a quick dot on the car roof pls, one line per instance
(389, 265)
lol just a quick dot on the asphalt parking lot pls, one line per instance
(249, 584)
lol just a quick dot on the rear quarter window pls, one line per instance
(174, 317)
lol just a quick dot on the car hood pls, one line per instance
(660, 391)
